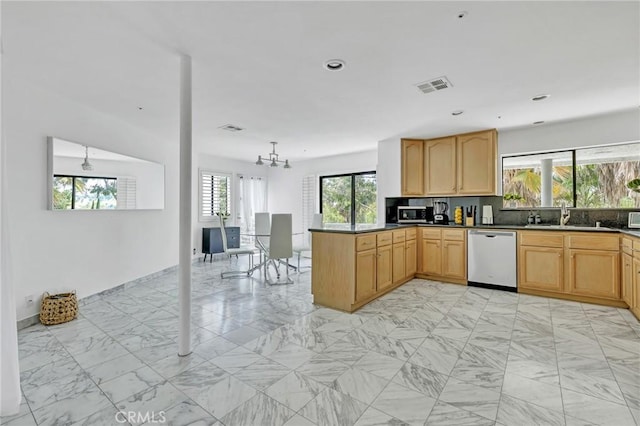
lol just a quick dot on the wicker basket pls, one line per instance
(58, 308)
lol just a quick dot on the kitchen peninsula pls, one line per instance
(354, 266)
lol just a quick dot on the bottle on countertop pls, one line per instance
(531, 218)
(457, 215)
(537, 218)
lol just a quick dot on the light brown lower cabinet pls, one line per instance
(635, 279)
(411, 258)
(594, 273)
(627, 279)
(384, 267)
(351, 270)
(366, 274)
(431, 257)
(454, 259)
(399, 259)
(581, 266)
(443, 254)
(541, 268)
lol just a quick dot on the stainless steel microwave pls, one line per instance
(412, 214)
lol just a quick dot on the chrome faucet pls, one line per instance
(565, 214)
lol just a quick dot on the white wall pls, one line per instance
(389, 177)
(285, 185)
(623, 126)
(87, 251)
(223, 165)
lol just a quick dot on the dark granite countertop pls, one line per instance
(363, 229)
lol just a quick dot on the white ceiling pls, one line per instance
(258, 65)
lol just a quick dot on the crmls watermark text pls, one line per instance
(140, 417)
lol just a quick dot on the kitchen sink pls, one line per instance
(569, 227)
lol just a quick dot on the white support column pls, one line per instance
(184, 284)
(546, 184)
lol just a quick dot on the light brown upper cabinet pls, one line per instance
(440, 166)
(477, 163)
(455, 165)
(412, 167)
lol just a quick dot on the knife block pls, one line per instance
(470, 221)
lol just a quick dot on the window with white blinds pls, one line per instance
(215, 194)
(126, 193)
(309, 196)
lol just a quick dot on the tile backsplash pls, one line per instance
(612, 218)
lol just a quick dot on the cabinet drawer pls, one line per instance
(626, 244)
(365, 242)
(431, 233)
(594, 242)
(385, 238)
(453, 234)
(411, 233)
(398, 236)
(541, 239)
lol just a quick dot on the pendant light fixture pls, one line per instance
(86, 165)
(273, 158)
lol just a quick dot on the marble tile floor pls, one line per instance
(428, 353)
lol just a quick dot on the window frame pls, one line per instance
(573, 171)
(231, 202)
(353, 189)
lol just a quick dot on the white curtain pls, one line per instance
(253, 198)
(9, 371)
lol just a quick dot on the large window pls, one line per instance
(595, 177)
(84, 193)
(215, 194)
(349, 199)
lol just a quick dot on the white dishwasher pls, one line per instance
(491, 259)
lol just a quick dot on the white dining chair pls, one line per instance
(262, 228)
(235, 252)
(280, 246)
(316, 223)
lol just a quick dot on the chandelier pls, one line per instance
(86, 165)
(273, 158)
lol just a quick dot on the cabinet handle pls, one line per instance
(453, 188)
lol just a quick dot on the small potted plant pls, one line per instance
(513, 199)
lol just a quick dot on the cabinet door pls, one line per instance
(636, 287)
(627, 280)
(398, 262)
(477, 163)
(431, 257)
(365, 274)
(440, 166)
(454, 259)
(412, 167)
(384, 267)
(540, 268)
(411, 258)
(594, 273)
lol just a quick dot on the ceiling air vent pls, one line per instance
(434, 84)
(231, 128)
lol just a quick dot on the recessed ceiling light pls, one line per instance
(457, 112)
(462, 14)
(334, 64)
(538, 122)
(540, 97)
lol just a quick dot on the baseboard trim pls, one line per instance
(35, 319)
